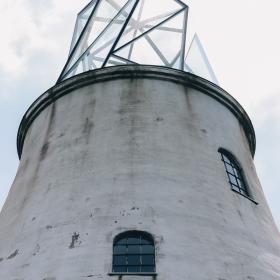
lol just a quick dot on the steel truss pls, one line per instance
(117, 32)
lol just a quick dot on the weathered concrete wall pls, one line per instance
(136, 153)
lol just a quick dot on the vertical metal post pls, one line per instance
(184, 38)
(79, 40)
(120, 33)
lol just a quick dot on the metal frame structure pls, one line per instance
(117, 32)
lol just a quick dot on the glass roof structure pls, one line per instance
(120, 32)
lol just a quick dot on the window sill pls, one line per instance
(252, 200)
(132, 273)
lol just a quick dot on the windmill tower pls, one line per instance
(143, 170)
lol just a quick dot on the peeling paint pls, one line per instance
(75, 239)
(36, 250)
(14, 254)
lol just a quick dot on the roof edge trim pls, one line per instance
(136, 72)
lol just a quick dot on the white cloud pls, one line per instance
(29, 25)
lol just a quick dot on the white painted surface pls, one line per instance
(135, 154)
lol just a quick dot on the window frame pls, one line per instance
(238, 175)
(138, 235)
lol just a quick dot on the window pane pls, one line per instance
(243, 192)
(242, 185)
(148, 260)
(133, 249)
(134, 252)
(148, 249)
(120, 249)
(235, 175)
(237, 172)
(133, 240)
(232, 179)
(229, 168)
(235, 188)
(119, 260)
(147, 269)
(146, 241)
(119, 269)
(121, 241)
(133, 268)
(226, 159)
(133, 260)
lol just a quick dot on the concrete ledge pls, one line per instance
(134, 276)
(135, 72)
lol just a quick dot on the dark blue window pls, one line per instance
(235, 173)
(134, 252)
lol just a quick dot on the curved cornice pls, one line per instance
(131, 72)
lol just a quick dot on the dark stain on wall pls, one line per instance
(88, 126)
(36, 250)
(51, 122)
(14, 254)
(159, 119)
(131, 110)
(44, 151)
(75, 240)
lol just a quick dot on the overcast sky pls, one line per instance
(241, 39)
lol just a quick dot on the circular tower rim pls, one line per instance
(135, 72)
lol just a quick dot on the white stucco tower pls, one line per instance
(136, 172)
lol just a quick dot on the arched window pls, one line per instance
(235, 173)
(134, 252)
